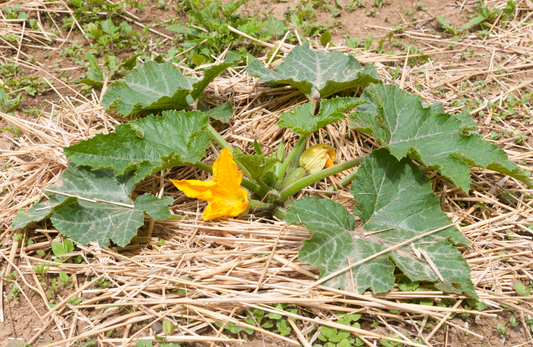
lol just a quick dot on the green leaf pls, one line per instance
(154, 87)
(341, 335)
(3, 99)
(406, 285)
(302, 121)
(61, 248)
(312, 70)
(212, 72)
(39, 212)
(197, 59)
(77, 3)
(102, 208)
(407, 127)
(108, 27)
(328, 331)
(143, 343)
(447, 26)
(274, 26)
(175, 138)
(63, 276)
(274, 316)
(257, 148)
(235, 330)
(75, 301)
(474, 21)
(256, 164)
(221, 113)
(325, 38)
(183, 30)
(168, 327)
(268, 324)
(383, 190)
(149, 88)
(522, 289)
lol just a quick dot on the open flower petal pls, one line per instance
(218, 209)
(196, 189)
(226, 173)
(224, 192)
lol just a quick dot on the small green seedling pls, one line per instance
(168, 327)
(14, 293)
(65, 280)
(522, 290)
(472, 304)
(502, 330)
(61, 248)
(512, 321)
(387, 343)
(89, 343)
(341, 338)
(41, 270)
(232, 328)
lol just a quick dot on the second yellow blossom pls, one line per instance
(317, 157)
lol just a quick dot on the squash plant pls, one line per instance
(93, 200)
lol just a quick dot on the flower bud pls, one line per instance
(317, 157)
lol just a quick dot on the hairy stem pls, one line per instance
(349, 177)
(216, 136)
(317, 176)
(255, 204)
(280, 212)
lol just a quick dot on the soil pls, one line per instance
(358, 24)
(21, 322)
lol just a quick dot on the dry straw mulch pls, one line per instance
(226, 267)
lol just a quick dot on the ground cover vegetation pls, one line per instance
(392, 233)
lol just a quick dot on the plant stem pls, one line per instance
(251, 186)
(288, 159)
(255, 204)
(350, 177)
(317, 176)
(216, 136)
(280, 212)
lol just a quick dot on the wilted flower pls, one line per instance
(224, 193)
(317, 157)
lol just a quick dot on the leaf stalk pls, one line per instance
(317, 176)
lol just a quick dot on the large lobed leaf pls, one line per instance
(302, 121)
(150, 87)
(390, 195)
(407, 127)
(156, 86)
(146, 145)
(312, 70)
(111, 213)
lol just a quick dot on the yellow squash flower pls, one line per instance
(317, 157)
(224, 193)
